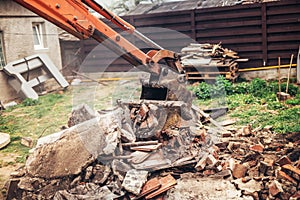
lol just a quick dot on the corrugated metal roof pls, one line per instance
(188, 5)
(180, 5)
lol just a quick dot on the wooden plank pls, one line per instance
(283, 19)
(279, 10)
(243, 13)
(163, 21)
(229, 40)
(227, 24)
(264, 33)
(225, 32)
(193, 25)
(286, 29)
(294, 37)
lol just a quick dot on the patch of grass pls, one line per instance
(32, 118)
(256, 103)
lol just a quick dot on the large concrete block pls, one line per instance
(75, 148)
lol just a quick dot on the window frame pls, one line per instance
(38, 34)
(2, 52)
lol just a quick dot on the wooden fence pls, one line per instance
(260, 32)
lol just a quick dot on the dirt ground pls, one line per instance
(98, 96)
(8, 165)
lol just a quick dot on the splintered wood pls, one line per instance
(207, 61)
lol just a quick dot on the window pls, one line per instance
(2, 58)
(38, 35)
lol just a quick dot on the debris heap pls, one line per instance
(207, 61)
(141, 150)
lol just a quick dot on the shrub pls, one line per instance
(275, 105)
(258, 87)
(240, 88)
(223, 85)
(293, 90)
(203, 91)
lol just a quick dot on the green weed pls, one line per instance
(254, 103)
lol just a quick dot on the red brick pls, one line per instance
(239, 170)
(275, 188)
(150, 186)
(201, 163)
(166, 182)
(284, 160)
(257, 147)
(281, 174)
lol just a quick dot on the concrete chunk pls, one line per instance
(4, 140)
(250, 186)
(81, 114)
(134, 181)
(25, 87)
(75, 148)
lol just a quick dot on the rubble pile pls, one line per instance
(140, 150)
(260, 163)
(206, 61)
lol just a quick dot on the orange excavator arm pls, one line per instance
(74, 17)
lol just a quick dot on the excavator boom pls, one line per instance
(74, 17)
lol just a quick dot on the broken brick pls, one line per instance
(275, 188)
(281, 174)
(143, 111)
(201, 163)
(208, 172)
(226, 134)
(166, 182)
(284, 160)
(295, 196)
(291, 168)
(239, 170)
(211, 160)
(81, 114)
(27, 142)
(150, 186)
(264, 167)
(245, 131)
(257, 147)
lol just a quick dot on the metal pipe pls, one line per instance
(265, 68)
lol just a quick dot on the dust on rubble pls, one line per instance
(150, 150)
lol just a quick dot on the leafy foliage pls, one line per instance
(30, 102)
(255, 102)
(257, 87)
(203, 91)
